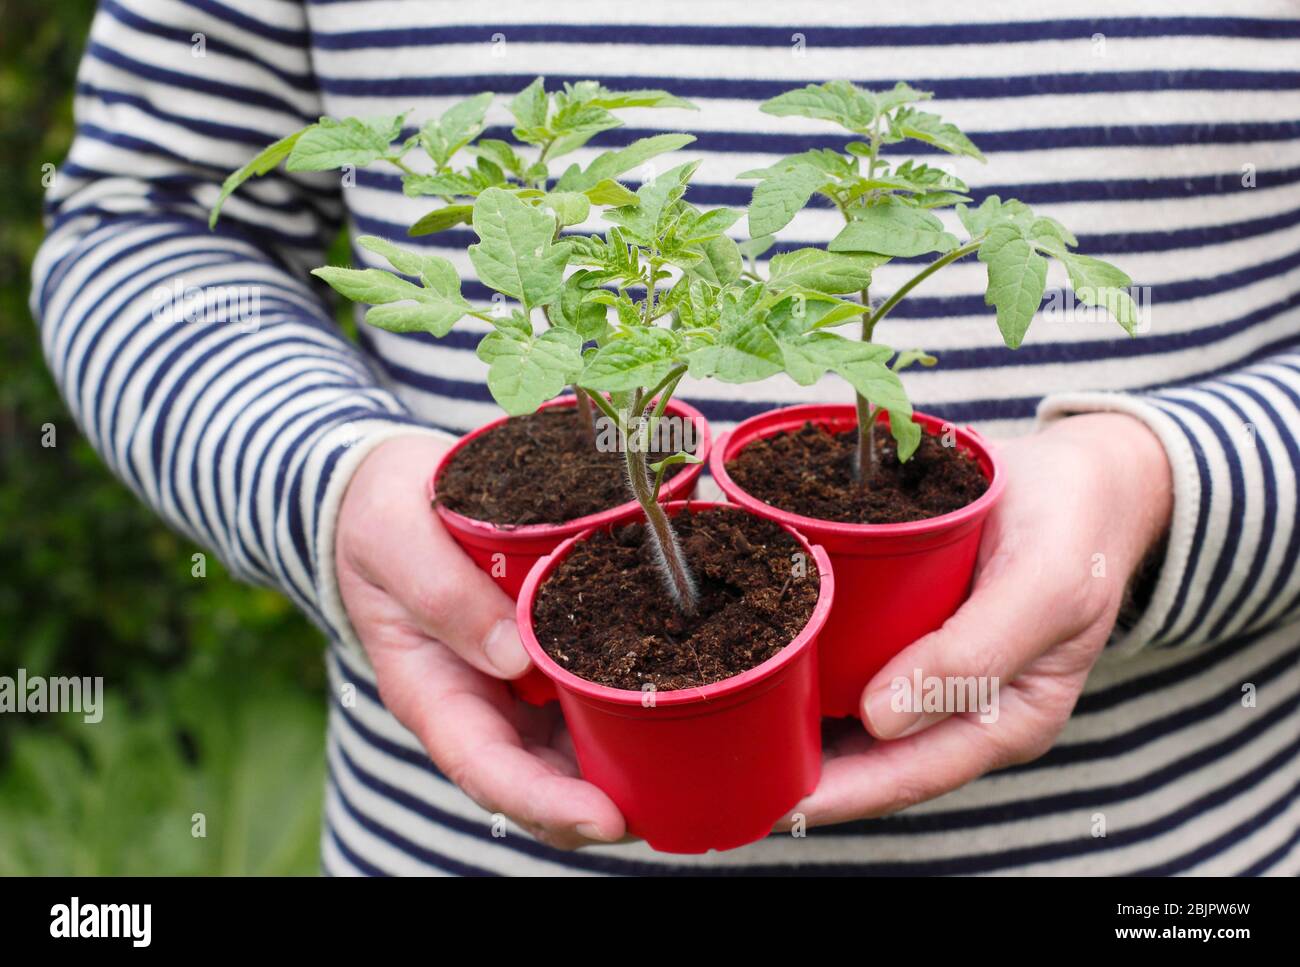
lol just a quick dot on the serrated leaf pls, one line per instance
(447, 185)
(639, 359)
(1098, 283)
(607, 191)
(892, 228)
(401, 306)
(531, 105)
(524, 371)
(570, 207)
(441, 219)
(777, 199)
(611, 164)
(994, 211)
(906, 433)
(932, 129)
(837, 101)
(517, 254)
(721, 263)
(613, 100)
(264, 161)
(1017, 278)
(459, 124)
(654, 199)
(828, 272)
(755, 248)
(332, 143)
(809, 355)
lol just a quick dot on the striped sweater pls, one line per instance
(1167, 134)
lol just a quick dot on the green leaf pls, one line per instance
(375, 286)
(1017, 278)
(502, 155)
(607, 191)
(516, 254)
(909, 356)
(524, 371)
(638, 359)
(441, 219)
(434, 306)
(994, 211)
(837, 101)
(932, 129)
(351, 141)
(1099, 283)
(670, 461)
(809, 355)
(531, 105)
(570, 207)
(448, 185)
(460, 124)
(778, 198)
(611, 164)
(756, 247)
(654, 199)
(906, 433)
(826, 271)
(892, 228)
(613, 100)
(265, 161)
(721, 264)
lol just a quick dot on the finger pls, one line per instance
(409, 555)
(1016, 612)
(460, 718)
(890, 776)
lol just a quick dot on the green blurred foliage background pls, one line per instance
(214, 690)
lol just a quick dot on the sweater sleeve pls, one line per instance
(1230, 566)
(203, 366)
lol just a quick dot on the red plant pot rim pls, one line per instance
(835, 414)
(505, 534)
(696, 694)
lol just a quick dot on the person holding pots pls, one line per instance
(1136, 588)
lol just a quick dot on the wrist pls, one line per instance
(1132, 473)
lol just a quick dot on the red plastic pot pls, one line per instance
(507, 554)
(702, 768)
(897, 582)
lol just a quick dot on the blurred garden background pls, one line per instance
(213, 690)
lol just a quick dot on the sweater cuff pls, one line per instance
(353, 443)
(1167, 596)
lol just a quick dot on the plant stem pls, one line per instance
(864, 450)
(673, 568)
(912, 283)
(585, 419)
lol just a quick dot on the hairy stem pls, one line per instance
(673, 569)
(884, 310)
(864, 451)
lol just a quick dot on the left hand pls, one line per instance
(1037, 619)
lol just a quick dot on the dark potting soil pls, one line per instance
(810, 471)
(536, 469)
(603, 614)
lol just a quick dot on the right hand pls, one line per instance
(441, 637)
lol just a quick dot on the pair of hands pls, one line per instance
(442, 639)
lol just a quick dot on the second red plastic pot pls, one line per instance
(702, 768)
(897, 582)
(507, 554)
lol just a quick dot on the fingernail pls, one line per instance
(882, 720)
(592, 831)
(504, 649)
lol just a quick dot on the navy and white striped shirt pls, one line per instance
(1166, 134)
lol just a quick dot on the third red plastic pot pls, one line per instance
(509, 553)
(703, 768)
(897, 582)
